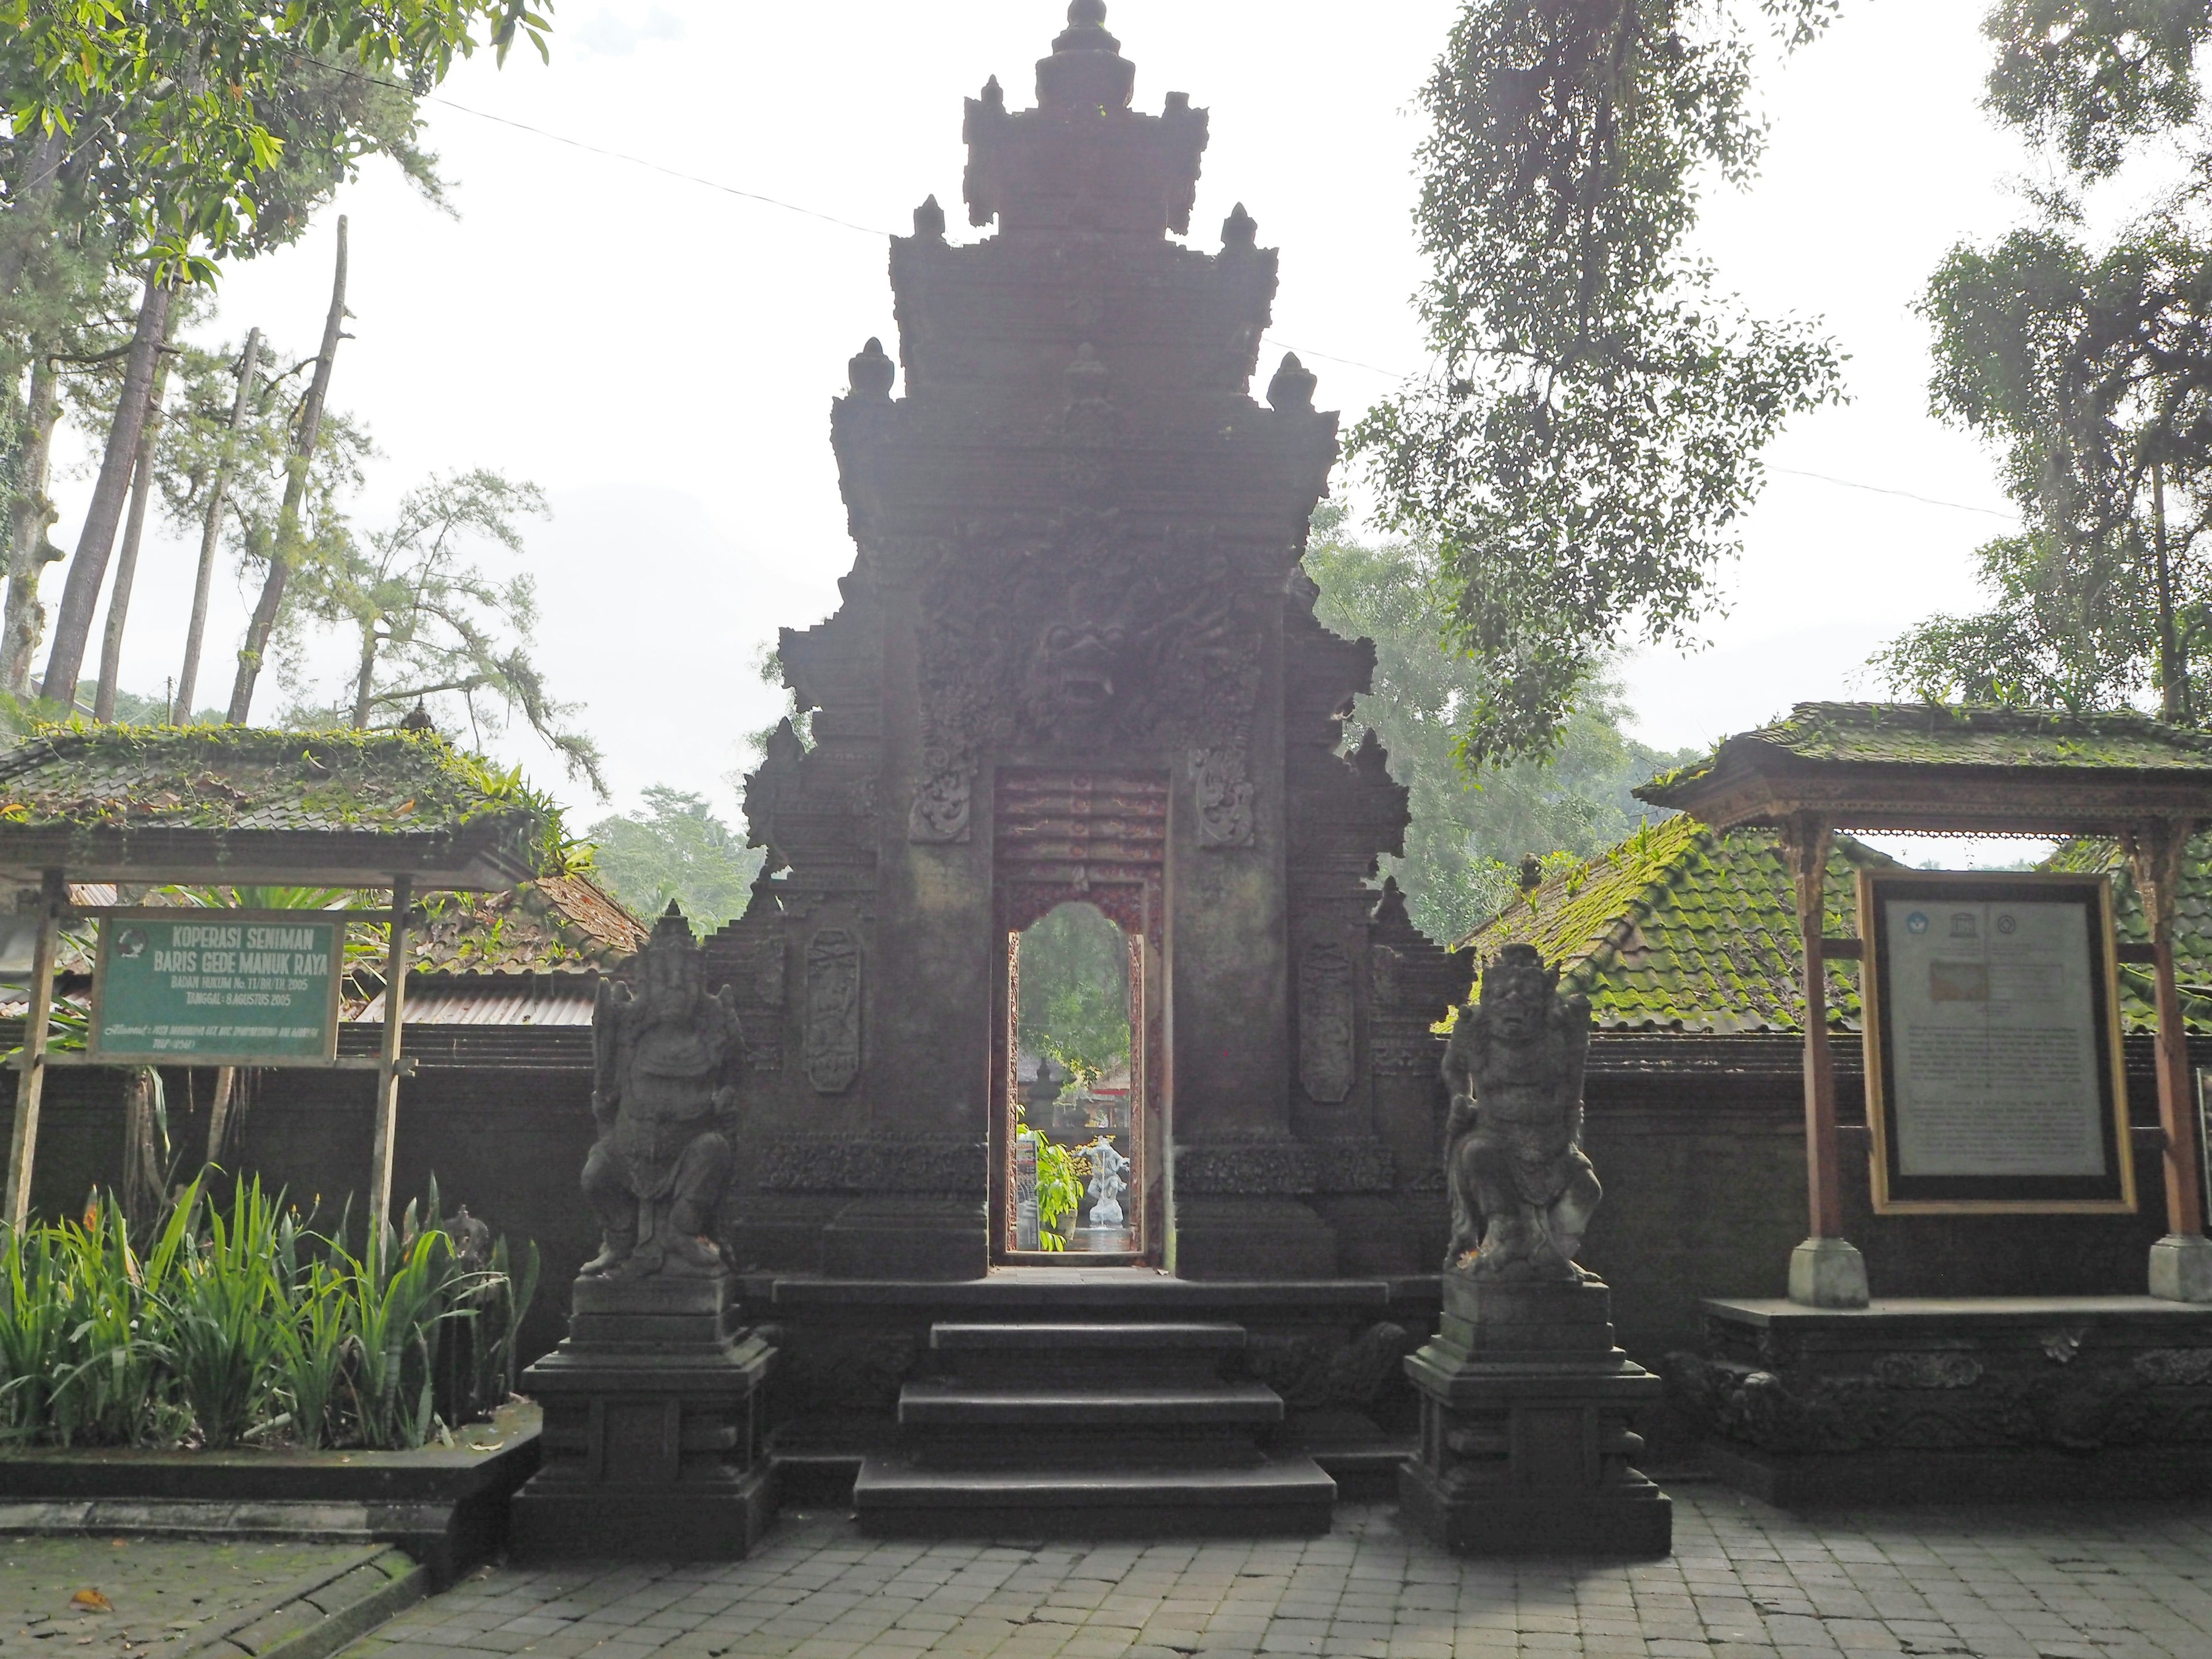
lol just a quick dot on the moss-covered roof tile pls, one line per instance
(1679, 929)
(207, 796)
(1957, 734)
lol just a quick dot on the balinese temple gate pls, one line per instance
(1078, 660)
(1077, 663)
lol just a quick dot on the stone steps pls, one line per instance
(1090, 1428)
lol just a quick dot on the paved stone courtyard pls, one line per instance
(2083, 1583)
(124, 1596)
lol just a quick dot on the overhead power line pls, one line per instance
(1884, 489)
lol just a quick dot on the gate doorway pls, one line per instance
(1077, 1061)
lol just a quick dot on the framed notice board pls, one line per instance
(1992, 1028)
(232, 987)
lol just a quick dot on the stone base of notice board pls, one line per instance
(1966, 1400)
(652, 1437)
(1526, 1438)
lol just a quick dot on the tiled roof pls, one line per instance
(553, 925)
(1954, 734)
(2192, 929)
(241, 778)
(1679, 929)
(232, 804)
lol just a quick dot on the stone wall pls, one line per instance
(1699, 1143)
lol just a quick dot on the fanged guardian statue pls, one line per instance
(1522, 1192)
(665, 1066)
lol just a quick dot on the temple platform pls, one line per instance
(1953, 1401)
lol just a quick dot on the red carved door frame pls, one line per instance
(1096, 836)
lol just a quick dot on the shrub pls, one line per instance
(241, 1323)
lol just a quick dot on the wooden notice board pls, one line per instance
(231, 986)
(1995, 1080)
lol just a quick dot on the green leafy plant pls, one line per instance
(238, 1322)
(224, 1312)
(1061, 1175)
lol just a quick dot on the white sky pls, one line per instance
(661, 356)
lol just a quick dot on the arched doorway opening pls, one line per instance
(1080, 1079)
(1077, 1077)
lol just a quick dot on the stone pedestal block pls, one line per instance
(1220, 1238)
(2181, 1268)
(653, 1430)
(1526, 1438)
(909, 1238)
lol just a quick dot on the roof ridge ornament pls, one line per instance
(1086, 72)
(872, 372)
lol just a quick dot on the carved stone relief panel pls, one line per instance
(1224, 796)
(1326, 1058)
(1083, 629)
(833, 1010)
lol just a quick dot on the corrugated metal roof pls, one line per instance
(486, 1005)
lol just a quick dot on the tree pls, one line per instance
(1074, 980)
(1472, 823)
(284, 548)
(173, 114)
(677, 849)
(1593, 428)
(430, 626)
(158, 140)
(2088, 370)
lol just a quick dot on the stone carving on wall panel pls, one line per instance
(1901, 1403)
(1085, 630)
(1223, 797)
(833, 1010)
(767, 971)
(1269, 1167)
(948, 1166)
(1327, 1062)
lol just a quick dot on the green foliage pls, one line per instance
(184, 116)
(2087, 369)
(1074, 980)
(677, 849)
(1592, 432)
(1060, 1186)
(2085, 77)
(1472, 824)
(238, 1323)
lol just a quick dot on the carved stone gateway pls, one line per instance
(1526, 1404)
(1077, 580)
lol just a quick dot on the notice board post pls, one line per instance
(387, 1070)
(1827, 1270)
(31, 1081)
(2181, 1263)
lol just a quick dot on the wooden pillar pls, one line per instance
(387, 1070)
(1825, 1270)
(31, 1081)
(2181, 1262)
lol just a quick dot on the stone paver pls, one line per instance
(1746, 1581)
(158, 1589)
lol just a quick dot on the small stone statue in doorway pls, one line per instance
(665, 1064)
(1522, 1191)
(1108, 1173)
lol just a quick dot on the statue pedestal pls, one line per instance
(652, 1427)
(1526, 1406)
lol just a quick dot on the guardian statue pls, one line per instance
(665, 1061)
(1522, 1191)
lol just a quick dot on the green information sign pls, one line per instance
(244, 987)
